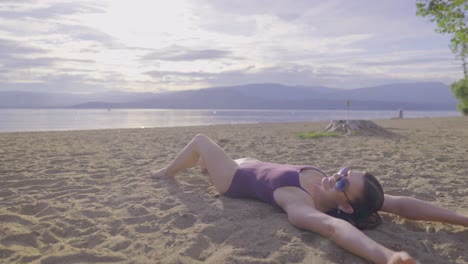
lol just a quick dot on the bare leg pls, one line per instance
(201, 164)
(219, 165)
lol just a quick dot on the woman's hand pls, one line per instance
(401, 257)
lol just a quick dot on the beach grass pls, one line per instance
(317, 134)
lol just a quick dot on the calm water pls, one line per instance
(12, 120)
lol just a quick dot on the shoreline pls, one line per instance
(56, 120)
(225, 124)
(86, 196)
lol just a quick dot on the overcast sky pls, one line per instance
(159, 45)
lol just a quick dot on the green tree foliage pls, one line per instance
(451, 18)
(460, 90)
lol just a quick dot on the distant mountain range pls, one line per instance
(409, 96)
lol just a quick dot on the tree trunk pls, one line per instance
(464, 66)
(358, 127)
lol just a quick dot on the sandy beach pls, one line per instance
(86, 196)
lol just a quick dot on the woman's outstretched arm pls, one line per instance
(415, 209)
(305, 216)
(345, 235)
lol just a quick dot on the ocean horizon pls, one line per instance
(29, 120)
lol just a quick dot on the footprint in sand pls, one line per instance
(147, 228)
(119, 244)
(5, 253)
(197, 248)
(98, 176)
(26, 240)
(81, 258)
(292, 254)
(8, 218)
(90, 242)
(47, 238)
(50, 211)
(414, 226)
(33, 209)
(69, 228)
(184, 221)
(168, 204)
(217, 234)
(137, 210)
(223, 141)
(141, 219)
(6, 193)
(115, 227)
(33, 183)
(95, 214)
(284, 236)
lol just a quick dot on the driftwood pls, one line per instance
(358, 127)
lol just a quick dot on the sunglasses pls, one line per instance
(342, 183)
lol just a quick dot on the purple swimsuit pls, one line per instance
(258, 180)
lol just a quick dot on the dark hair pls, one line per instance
(365, 209)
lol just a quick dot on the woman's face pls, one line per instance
(354, 185)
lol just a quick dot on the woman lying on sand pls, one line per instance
(311, 200)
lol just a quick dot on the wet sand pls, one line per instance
(86, 196)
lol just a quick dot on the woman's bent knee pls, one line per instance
(200, 137)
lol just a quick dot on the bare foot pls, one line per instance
(159, 174)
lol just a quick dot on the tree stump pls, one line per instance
(358, 127)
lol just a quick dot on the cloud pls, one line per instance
(185, 44)
(54, 10)
(9, 47)
(85, 33)
(29, 63)
(48, 19)
(159, 74)
(333, 75)
(290, 74)
(59, 83)
(405, 61)
(15, 55)
(178, 53)
(40, 42)
(281, 8)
